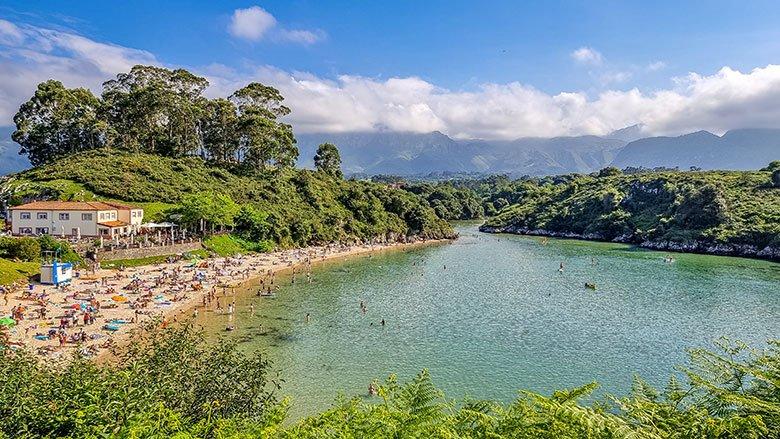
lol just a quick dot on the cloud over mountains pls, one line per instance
(716, 102)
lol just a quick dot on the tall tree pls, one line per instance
(58, 121)
(264, 140)
(220, 131)
(328, 160)
(156, 110)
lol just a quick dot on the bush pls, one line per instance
(23, 249)
(776, 178)
(170, 376)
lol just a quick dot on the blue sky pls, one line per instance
(480, 49)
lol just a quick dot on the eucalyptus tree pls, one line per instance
(328, 160)
(156, 110)
(58, 121)
(219, 127)
(264, 140)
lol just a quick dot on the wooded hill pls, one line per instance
(292, 207)
(735, 213)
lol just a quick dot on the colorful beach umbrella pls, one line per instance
(119, 299)
(7, 321)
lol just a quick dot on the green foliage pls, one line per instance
(776, 178)
(13, 271)
(149, 260)
(158, 111)
(231, 245)
(610, 171)
(166, 381)
(58, 121)
(302, 207)
(60, 249)
(448, 201)
(728, 207)
(206, 209)
(171, 385)
(328, 160)
(25, 249)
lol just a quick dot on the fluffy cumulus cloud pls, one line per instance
(30, 55)
(255, 23)
(717, 102)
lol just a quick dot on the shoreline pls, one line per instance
(170, 288)
(770, 254)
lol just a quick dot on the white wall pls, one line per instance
(54, 223)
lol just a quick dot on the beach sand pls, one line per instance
(125, 299)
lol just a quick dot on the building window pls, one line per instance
(104, 231)
(24, 215)
(64, 216)
(113, 215)
(43, 215)
(102, 216)
(134, 213)
(86, 217)
(74, 231)
(25, 230)
(41, 230)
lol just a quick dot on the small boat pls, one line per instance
(590, 285)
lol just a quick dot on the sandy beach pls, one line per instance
(99, 310)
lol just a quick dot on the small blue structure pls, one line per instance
(56, 272)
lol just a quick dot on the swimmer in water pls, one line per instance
(308, 318)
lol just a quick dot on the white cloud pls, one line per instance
(716, 102)
(30, 55)
(587, 55)
(251, 23)
(655, 66)
(255, 23)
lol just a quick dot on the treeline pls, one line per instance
(288, 208)
(171, 383)
(158, 111)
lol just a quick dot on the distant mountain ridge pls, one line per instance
(405, 153)
(417, 154)
(740, 149)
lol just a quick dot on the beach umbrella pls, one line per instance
(119, 298)
(7, 321)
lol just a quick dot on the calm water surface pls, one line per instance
(501, 317)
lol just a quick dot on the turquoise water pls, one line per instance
(501, 317)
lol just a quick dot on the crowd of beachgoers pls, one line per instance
(100, 307)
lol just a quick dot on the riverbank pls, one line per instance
(735, 250)
(99, 310)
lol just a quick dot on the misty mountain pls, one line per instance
(736, 149)
(10, 160)
(415, 153)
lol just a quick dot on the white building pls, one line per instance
(75, 218)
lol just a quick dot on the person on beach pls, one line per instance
(308, 318)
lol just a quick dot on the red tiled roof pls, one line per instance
(70, 205)
(116, 223)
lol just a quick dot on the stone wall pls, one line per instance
(144, 252)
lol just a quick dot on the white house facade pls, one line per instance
(75, 218)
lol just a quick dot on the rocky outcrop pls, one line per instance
(723, 249)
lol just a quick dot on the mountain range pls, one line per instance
(412, 153)
(400, 153)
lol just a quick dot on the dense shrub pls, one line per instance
(734, 207)
(171, 384)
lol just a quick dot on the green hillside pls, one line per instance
(715, 212)
(300, 206)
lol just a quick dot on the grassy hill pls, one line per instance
(303, 206)
(717, 212)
